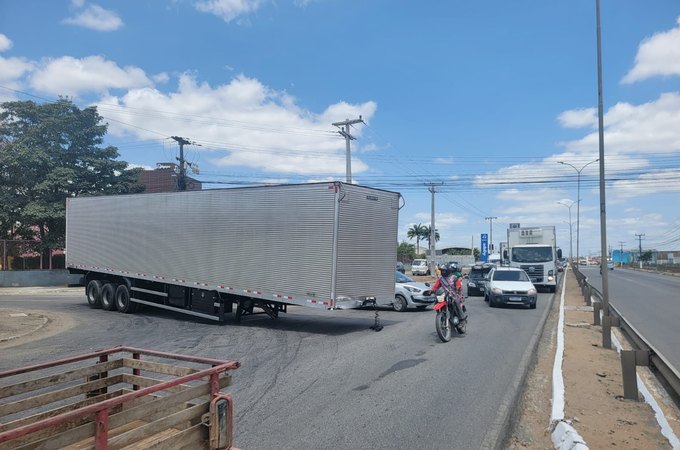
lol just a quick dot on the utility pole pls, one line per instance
(344, 132)
(490, 219)
(639, 237)
(607, 319)
(621, 254)
(433, 231)
(182, 176)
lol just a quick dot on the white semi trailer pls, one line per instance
(207, 253)
(534, 250)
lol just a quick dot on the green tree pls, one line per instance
(406, 252)
(477, 253)
(646, 256)
(426, 234)
(416, 232)
(49, 152)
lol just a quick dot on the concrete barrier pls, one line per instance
(20, 278)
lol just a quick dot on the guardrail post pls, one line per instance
(588, 292)
(630, 390)
(630, 359)
(597, 307)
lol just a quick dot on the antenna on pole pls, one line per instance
(344, 132)
(182, 177)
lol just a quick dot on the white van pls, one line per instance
(420, 267)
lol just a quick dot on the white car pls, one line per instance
(411, 293)
(420, 267)
(509, 286)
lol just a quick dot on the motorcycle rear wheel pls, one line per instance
(443, 326)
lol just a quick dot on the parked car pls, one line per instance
(420, 267)
(509, 286)
(411, 293)
(400, 267)
(610, 265)
(475, 279)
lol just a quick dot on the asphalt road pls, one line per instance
(650, 302)
(323, 379)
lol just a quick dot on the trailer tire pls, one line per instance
(123, 303)
(108, 297)
(93, 292)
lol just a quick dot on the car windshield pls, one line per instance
(401, 278)
(476, 274)
(510, 275)
(419, 262)
(532, 254)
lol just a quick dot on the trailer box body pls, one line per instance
(328, 245)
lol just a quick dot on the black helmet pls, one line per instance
(453, 267)
(446, 270)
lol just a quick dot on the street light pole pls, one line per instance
(578, 202)
(571, 247)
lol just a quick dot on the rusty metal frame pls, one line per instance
(100, 410)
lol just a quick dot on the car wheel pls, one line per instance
(399, 304)
(93, 292)
(492, 302)
(532, 305)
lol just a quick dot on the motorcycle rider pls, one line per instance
(452, 282)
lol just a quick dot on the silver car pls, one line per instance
(411, 293)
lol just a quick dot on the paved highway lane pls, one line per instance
(323, 379)
(650, 302)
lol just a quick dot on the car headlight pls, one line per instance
(551, 278)
(532, 291)
(497, 290)
(471, 284)
(412, 289)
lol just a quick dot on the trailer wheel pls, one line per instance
(108, 297)
(123, 303)
(93, 292)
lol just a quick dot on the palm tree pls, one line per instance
(416, 232)
(426, 234)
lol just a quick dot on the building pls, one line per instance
(164, 179)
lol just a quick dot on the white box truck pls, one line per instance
(207, 253)
(534, 250)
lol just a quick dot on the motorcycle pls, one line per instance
(450, 314)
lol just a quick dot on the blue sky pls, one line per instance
(483, 96)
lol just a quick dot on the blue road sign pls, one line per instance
(485, 248)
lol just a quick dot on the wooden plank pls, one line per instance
(195, 437)
(61, 394)
(160, 407)
(173, 421)
(145, 382)
(89, 443)
(63, 377)
(165, 369)
(56, 411)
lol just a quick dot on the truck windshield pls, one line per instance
(532, 254)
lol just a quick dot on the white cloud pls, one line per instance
(12, 70)
(228, 10)
(667, 180)
(5, 43)
(162, 77)
(649, 127)
(72, 76)
(241, 124)
(578, 118)
(96, 18)
(658, 55)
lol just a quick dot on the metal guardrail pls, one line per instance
(669, 375)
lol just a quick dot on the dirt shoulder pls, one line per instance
(593, 385)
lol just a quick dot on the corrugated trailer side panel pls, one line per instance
(367, 238)
(274, 239)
